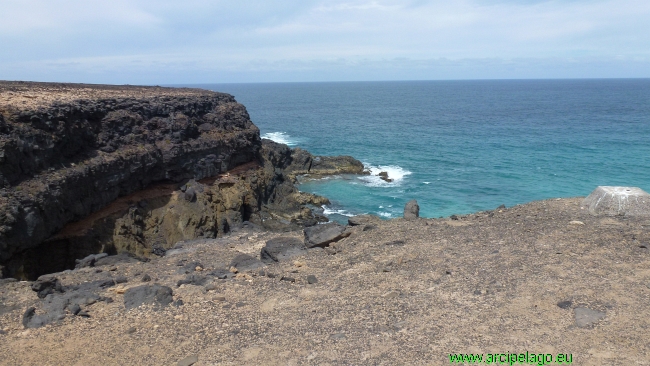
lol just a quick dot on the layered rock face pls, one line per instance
(87, 169)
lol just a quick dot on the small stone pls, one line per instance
(454, 217)
(188, 361)
(338, 336)
(390, 295)
(83, 314)
(211, 287)
(219, 298)
(575, 222)
(386, 269)
(586, 317)
(75, 309)
(3, 332)
(121, 279)
(288, 279)
(311, 279)
(198, 268)
(131, 330)
(178, 303)
(564, 304)
(146, 278)
(113, 269)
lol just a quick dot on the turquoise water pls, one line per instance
(461, 146)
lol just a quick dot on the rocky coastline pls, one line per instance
(217, 260)
(95, 168)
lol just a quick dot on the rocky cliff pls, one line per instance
(88, 168)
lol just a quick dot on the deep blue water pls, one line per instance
(461, 146)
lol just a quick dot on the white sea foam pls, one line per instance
(280, 137)
(426, 182)
(385, 214)
(395, 172)
(328, 211)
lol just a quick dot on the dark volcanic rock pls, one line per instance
(192, 280)
(323, 235)
(112, 260)
(281, 248)
(302, 162)
(156, 295)
(90, 260)
(411, 210)
(122, 169)
(47, 285)
(89, 149)
(311, 279)
(244, 262)
(55, 303)
(363, 220)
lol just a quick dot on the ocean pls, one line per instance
(460, 146)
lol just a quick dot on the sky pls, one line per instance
(159, 42)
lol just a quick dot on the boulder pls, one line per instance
(363, 220)
(411, 210)
(281, 248)
(156, 295)
(384, 176)
(89, 261)
(323, 235)
(244, 262)
(46, 285)
(618, 201)
(190, 194)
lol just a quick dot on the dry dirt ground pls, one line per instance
(29, 95)
(396, 293)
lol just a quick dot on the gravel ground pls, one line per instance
(396, 293)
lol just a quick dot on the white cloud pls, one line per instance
(202, 37)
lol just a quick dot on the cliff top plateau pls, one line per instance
(30, 95)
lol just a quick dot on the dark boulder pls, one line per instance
(323, 235)
(190, 194)
(281, 248)
(411, 210)
(192, 280)
(46, 285)
(156, 295)
(363, 220)
(89, 261)
(244, 262)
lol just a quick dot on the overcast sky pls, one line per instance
(214, 41)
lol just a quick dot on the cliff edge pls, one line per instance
(100, 168)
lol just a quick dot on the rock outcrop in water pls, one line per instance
(87, 169)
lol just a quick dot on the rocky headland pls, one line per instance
(88, 169)
(257, 282)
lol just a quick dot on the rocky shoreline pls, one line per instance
(230, 269)
(93, 168)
